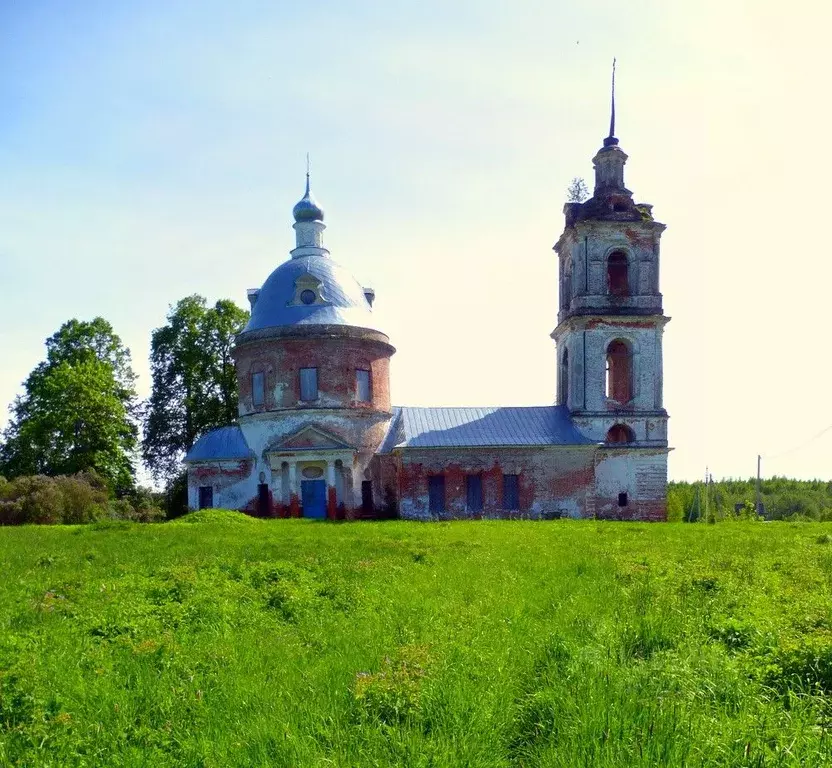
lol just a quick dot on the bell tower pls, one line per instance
(610, 319)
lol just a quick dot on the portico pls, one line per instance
(312, 474)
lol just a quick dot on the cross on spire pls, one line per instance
(612, 108)
(610, 140)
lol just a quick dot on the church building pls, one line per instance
(317, 435)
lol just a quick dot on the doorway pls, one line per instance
(367, 506)
(264, 506)
(313, 498)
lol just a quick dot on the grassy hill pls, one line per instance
(220, 640)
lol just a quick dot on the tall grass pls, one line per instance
(240, 642)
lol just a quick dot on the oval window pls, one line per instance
(307, 296)
(312, 473)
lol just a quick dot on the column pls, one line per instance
(331, 498)
(294, 501)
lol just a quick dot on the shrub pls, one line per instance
(214, 516)
(83, 498)
(40, 499)
(70, 499)
(121, 509)
(10, 512)
(176, 496)
(675, 507)
(149, 513)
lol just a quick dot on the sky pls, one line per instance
(154, 149)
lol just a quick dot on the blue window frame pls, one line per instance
(474, 492)
(511, 492)
(258, 388)
(362, 386)
(436, 493)
(308, 383)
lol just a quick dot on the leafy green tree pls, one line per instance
(194, 381)
(577, 191)
(79, 411)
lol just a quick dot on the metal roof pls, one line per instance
(225, 443)
(345, 302)
(307, 208)
(475, 427)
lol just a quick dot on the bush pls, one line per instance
(214, 516)
(69, 499)
(149, 513)
(39, 499)
(83, 498)
(176, 496)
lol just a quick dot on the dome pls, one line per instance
(307, 209)
(310, 290)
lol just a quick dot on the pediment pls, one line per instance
(310, 438)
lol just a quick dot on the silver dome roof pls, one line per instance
(341, 299)
(307, 208)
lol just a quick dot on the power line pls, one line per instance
(798, 447)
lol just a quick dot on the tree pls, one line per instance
(79, 411)
(577, 191)
(194, 380)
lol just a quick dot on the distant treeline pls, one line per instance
(781, 499)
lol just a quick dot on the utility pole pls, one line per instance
(707, 518)
(759, 504)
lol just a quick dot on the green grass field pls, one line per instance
(229, 641)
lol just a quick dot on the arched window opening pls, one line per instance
(564, 378)
(566, 286)
(619, 378)
(619, 434)
(618, 281)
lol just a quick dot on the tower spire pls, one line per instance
(610, 140)
(307, 209)
(309, 223)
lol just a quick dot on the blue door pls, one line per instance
(313, 498)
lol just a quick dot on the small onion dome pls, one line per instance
(307, 209)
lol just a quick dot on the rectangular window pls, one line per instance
(206, 496)
(474, 493)
(622, 500)
(436, 493)
(511, 492)
(258, 388)
(362, 386)
(308, 383)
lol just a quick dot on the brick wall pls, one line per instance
(336, 359)
(553, 482)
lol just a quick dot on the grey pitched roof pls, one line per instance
(224, 443)
(478, 427)
(345, 304)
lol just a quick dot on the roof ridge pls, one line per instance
(472, 407)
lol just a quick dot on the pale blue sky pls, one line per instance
(149, 150)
